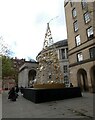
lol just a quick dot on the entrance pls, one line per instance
(31, 77)
(93, 78)
(82, 79)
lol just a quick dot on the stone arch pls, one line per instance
(82, 79)
(31, 76)
(92, 75)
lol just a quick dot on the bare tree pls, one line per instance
(4, 48)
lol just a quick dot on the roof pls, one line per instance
(61, 43)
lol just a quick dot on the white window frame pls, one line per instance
(90, 32)
(80, 57)
(65, 67)
(66, 79)
(74, 13)
(71, 2)
(78, 40)
(84, 4)
(63, 54)
(87, 17)
(75, 26)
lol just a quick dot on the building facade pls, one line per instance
(27, 73)
(80, 22)
(62, 52)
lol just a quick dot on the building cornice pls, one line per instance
(82, 62)
(92, 44)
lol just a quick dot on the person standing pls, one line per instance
(12, 94)
(17, 89)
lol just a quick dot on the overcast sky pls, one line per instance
(23, 24)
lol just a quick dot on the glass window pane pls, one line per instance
(63, 53)
(65, 68)
(65, 78)
(78, 40)
(72, 3)
(75, 26)
(92, 52)
(87, 17)
(90, 32)
(80, 57)
(74, 13)
(84, 3)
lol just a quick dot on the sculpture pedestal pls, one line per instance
(39, 95)
(49, 86)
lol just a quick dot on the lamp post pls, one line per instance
(50, 21)
(53, 19)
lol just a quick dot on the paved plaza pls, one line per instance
(81, 107)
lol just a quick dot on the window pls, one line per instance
(63, 53)
(74, 13)
(79, 57)
(92, 52)
(66, 79)
(65, 68)
(84, 3)
(90, 33)
(71, 2)
(77, 40)
(67, 52)
(87, 17)
(75, 26)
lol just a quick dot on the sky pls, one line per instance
(23, 24)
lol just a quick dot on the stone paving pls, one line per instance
(81, 107)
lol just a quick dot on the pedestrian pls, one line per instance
(71, 85)
(21, 90)
(12, 94)
(17, 90)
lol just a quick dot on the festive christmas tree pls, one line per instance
(49, 72)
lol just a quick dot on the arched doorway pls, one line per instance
(92, 73)
(82, 79)
(31, 77)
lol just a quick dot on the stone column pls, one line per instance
(60, 56)
(22, 78)
(89, 80)
(65, 53)
(19, 80)
(58, 53)
(26, 77)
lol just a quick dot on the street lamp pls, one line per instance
(53, 19)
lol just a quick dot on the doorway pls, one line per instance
(92, 73)
(31, 77)
(82, 79)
